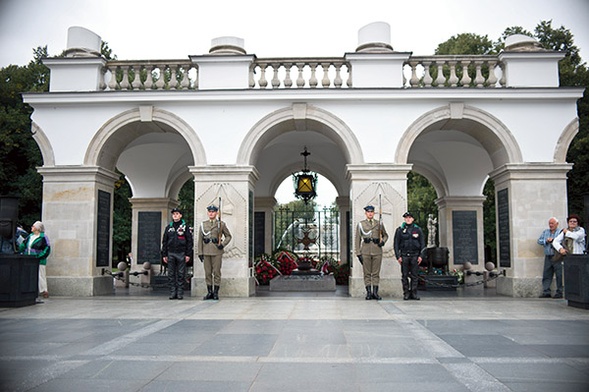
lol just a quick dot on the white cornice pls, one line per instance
(302, 95)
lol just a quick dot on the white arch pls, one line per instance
(44, 145)
(269, 127)
(565, 140)
(505, 141)
(98, 155)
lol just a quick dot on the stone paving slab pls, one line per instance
(294, 343)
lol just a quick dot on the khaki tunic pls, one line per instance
(212, 259)
(370, 252)
(209, 230)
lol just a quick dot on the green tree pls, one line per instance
(421, 199)
(466, 43)
(19, 153)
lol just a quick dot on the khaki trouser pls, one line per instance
(212, 265)
(371, 269)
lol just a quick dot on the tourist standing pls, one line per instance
(213, 237)
(571, 239)
(37, 244)
(370, 238)
(177, 245)
(409, 246)
(550, 267)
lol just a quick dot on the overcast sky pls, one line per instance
(146, 29)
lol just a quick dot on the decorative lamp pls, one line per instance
(305, 181)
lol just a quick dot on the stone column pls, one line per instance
(235, 186)
(266, 205)
(367, 182)
(463, 216)
(150, 216)
(77, 212)
(531, 194)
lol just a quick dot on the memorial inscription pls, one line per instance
(503, 228)
(103, 229)
(464, 233)
(149, 237)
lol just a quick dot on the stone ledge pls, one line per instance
(303, 283)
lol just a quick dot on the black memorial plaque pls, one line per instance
(464, 233)
(503, 228)
(103, 230)
(149, 237)
(259, 232)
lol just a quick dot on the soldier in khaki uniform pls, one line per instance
(213, 236)
(370, 238)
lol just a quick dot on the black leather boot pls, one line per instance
(209, 293)
(414, 295)
(216, 292)
(375, 293)
(368, 293)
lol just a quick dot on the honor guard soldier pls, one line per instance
(409, 246)
(213, 237)
(177, 244)
(370, 238)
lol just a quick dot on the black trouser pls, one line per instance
(176, 273)
(409, 269)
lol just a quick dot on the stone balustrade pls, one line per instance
(288, 73)
(449, 71)
(299, 73)
(150, 75)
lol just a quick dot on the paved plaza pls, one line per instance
(448, 341)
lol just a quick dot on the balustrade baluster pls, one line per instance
(414, 81)
(287, 79)
(161, 82)
(503, 80)
(112, 83)
(252, 80)
(479, 80)
(275, 79)
(300, 78)
(453, 79)
(313, 80)
(173, 78)
(441, 79)
(125, 81)
(136, 84)
(148, 84)
(263, 82)
(185, 81)
(427, 78)
(465, 81)
(337, 82)
(492, 80)
(325, 82)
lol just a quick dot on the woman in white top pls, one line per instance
(573, 233)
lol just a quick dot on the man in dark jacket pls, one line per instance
(177, 246)
(409, 245)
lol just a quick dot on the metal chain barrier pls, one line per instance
(492, 276)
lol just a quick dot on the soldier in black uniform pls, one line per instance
(409, 245)
(177, 244)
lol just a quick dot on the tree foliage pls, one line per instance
(19, 153)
